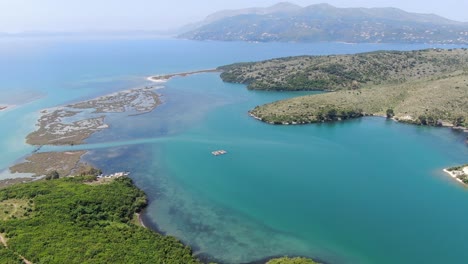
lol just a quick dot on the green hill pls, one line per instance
(69, 221)
(428, 87)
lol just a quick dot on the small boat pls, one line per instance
(219, 152)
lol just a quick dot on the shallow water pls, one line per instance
(360, 191)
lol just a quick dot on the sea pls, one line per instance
(361, 191)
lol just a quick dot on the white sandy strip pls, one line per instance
(6, 107)
(453, 175)
(151, 79)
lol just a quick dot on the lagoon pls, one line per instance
(360, 191)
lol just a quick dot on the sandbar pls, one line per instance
(165, 77)
(72, 124)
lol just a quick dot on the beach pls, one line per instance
(458, 173)
(165, 77)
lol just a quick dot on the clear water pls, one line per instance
(361, 191)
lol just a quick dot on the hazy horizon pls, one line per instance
(85, 16)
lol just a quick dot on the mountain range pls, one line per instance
(287, 22)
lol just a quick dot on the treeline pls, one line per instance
(324, 114)
(74, 222)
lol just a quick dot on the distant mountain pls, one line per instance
(323, 22)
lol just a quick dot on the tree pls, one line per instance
(459, 121)
(331, 114)
(390, 113)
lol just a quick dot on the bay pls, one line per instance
(360, 191)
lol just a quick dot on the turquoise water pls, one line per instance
(360, 191)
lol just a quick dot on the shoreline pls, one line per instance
(451, 174)
(402, 121)
(6, 107)
(459, 173)
(166, 77)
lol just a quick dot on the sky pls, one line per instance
(117, 15)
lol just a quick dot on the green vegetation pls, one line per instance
(459, 172)
(69, 221)
(345, 72)
(15, 209)
(9, 257)
(428, 87)
(456, 168)
(286, 260)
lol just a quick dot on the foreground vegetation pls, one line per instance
(428, 87)
(67, 221)
(78, 220)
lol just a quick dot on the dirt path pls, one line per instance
(3, 241)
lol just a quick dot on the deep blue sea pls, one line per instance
(361, 191)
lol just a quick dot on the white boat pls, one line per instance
(219, 152)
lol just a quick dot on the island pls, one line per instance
(66, 125)
(3, 108)
(425, 87)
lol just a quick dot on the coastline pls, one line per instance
(451, 174)
(459, 173)
(6, 107)
(165, 77)
(403, 121)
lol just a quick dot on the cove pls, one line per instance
(361, 191)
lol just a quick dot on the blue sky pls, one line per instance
(85, 15)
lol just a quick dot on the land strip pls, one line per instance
(67, 126)
(166, 77)
(41, 164)
(460, 173)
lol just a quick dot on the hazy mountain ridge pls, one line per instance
(323, 22)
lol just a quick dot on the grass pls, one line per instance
(15, 209)
(65, 163)
(442, 100)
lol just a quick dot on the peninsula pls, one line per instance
(426, 87)
(460, 173)
(166, 77)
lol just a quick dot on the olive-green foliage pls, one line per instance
(430, 101)
(8, 257)
(286, 260)
(457, 167)
(345, 72)
(73, 222)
